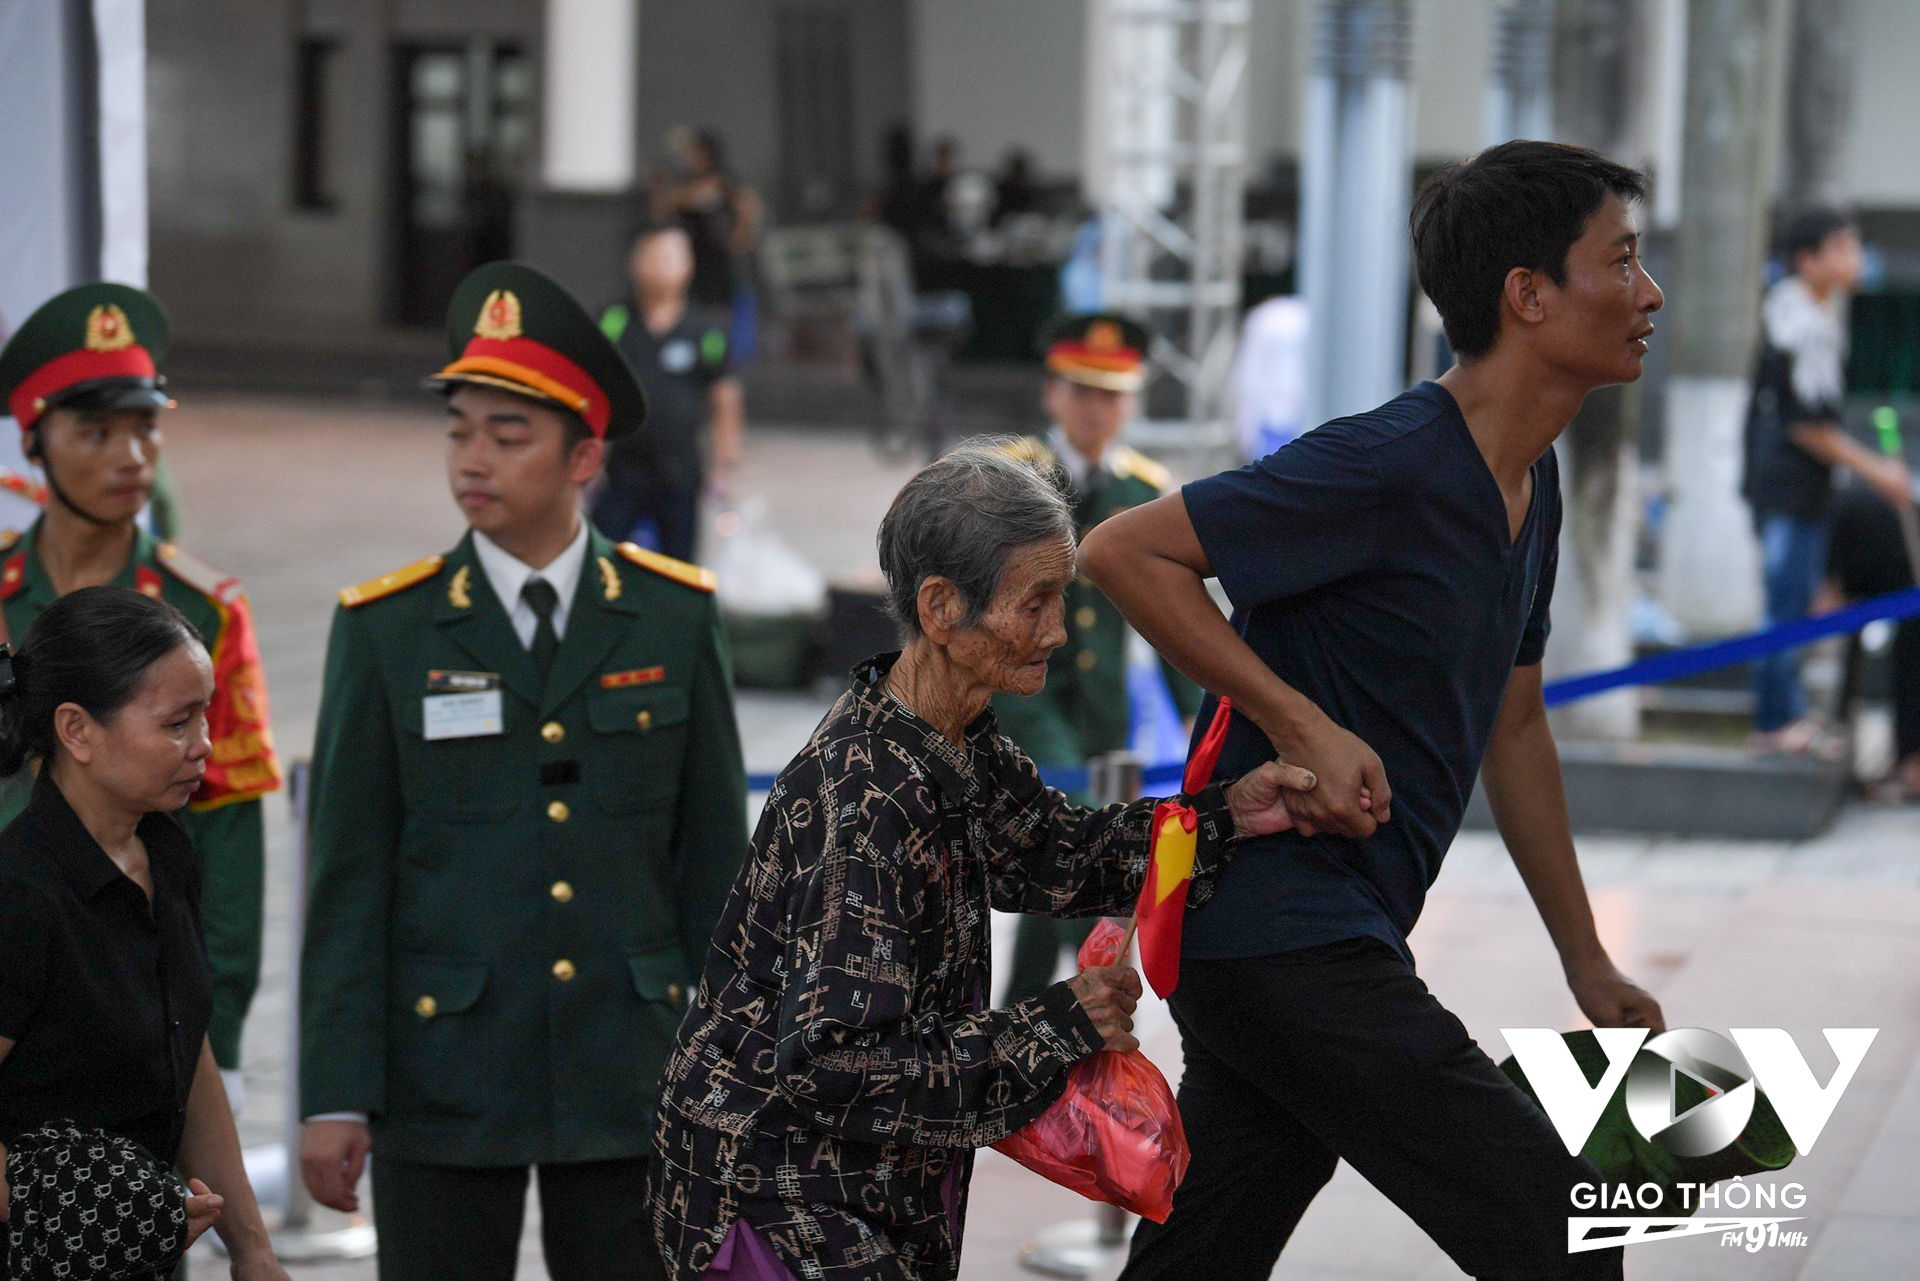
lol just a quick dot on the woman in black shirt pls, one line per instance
(104, 980)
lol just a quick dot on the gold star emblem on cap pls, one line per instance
(107, 329)
(499, 317)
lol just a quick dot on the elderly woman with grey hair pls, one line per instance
(839, 1064)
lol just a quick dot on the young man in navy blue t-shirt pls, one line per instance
(1390, 575)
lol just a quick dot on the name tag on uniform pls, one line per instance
(462, 705)
(462, 715)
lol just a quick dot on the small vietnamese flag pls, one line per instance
(1163, 898)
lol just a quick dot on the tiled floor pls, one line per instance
(300, 498)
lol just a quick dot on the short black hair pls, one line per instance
(1807, 230)
(91, 647)
(577, 427)
(1520, 204)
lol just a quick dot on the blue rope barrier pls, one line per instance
(1739, 649)
(1648, 671)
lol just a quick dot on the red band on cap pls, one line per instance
(548, 367)
(63, 372)
(1112, 359)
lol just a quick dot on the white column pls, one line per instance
(1709, 559)
(1096, 95)
(1356, 174)
(120, 31)
(590, 75)
(1667, 148)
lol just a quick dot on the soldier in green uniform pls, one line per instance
(82, 379)
(1095, 367)
(528, 807)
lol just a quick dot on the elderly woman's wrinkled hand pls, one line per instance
(1109, 993)
(1258, 800)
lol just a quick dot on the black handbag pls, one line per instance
(85, 1203)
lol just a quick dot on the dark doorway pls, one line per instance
(464, 125)
(813, 64)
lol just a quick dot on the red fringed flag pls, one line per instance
(1163, 899)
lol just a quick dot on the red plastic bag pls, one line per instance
(1115, 1135)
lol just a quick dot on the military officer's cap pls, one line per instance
(1101, 349)
(96, 346)
(512, 328)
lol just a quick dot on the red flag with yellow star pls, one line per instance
(1163, 899)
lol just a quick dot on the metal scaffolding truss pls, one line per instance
(1171, 153)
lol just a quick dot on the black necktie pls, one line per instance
(542, 598)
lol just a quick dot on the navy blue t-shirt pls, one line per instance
(1369, 564)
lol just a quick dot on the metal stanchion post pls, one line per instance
(296, 1241)
(1081, 1247)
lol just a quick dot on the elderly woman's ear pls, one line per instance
(941, 608)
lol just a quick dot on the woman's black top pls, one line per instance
(105, 997)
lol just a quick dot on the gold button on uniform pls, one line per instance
(1085, 617)
(563, 970)
(558, 812)
(644, 720)
(553, 731)
(426, 1007)
(562, 892)
(1086, 661)
(675, 992)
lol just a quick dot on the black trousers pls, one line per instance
(1297, 1061)
(459, 1223)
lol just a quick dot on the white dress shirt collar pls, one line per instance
(507, 575)
(1073, 461)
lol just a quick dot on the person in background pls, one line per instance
(934, 237)
(1270, 376)
(1014, 189)
(1867, 556)
(82, 378)
(1096, 365)
(528, 803)
(896, 203)
(680, 354)
(722, 218)
(1794, 440)
(106, 995)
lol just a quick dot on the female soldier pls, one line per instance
(105, 992)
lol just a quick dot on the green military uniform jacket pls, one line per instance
(224, 817)
(502, 931)
(1084, 710)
